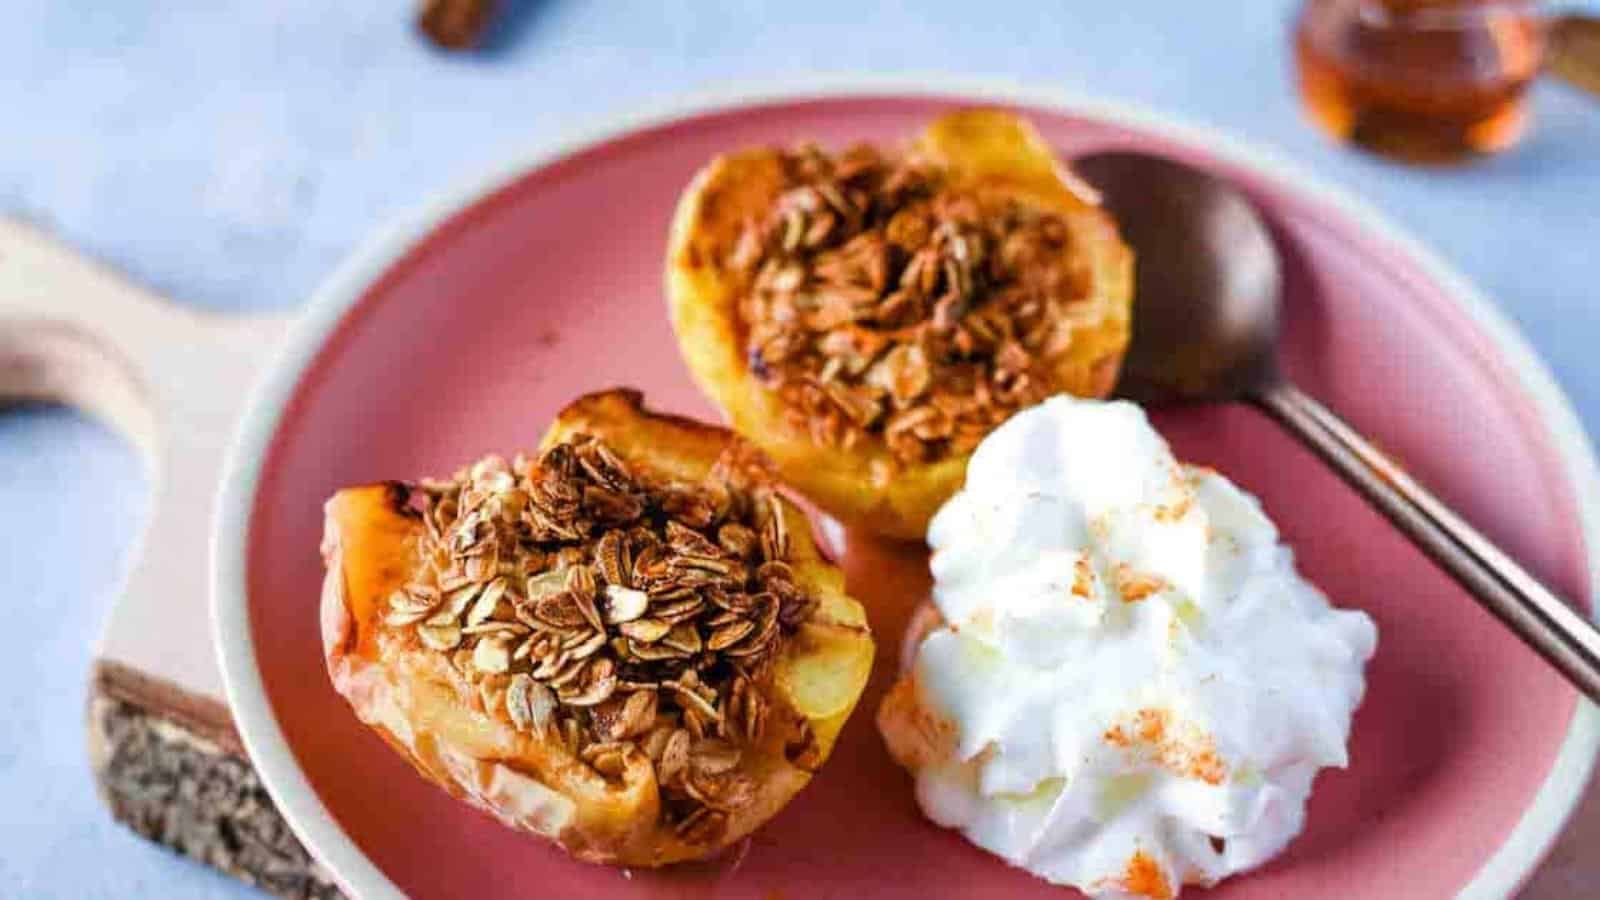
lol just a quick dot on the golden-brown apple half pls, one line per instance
(628, 644)
(867, 317)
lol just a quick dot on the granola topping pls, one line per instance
(886, 302)
(614, 611)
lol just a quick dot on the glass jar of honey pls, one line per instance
(1422, 80)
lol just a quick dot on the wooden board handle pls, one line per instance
(74, 332)
(60, 343)
(174, 382)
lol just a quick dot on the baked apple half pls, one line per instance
(867, 317)
(628, 643)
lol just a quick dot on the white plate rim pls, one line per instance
(309, 819)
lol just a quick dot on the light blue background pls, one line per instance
(229, 153)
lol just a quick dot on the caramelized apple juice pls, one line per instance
(1425, 80)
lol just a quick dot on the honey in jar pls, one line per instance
(1421, 80)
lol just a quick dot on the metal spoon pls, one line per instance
(1206, 330)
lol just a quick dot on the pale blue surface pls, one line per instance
(229, 153)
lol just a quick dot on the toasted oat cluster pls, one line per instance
(884, 301)
(601, 607)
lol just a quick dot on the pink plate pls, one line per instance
(464, 332)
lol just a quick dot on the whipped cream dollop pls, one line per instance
(1137, 686)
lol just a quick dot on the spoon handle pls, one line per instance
(1566, 639)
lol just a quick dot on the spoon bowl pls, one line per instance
(1209, 280)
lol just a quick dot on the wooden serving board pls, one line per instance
(166, 756)
(173, 381)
